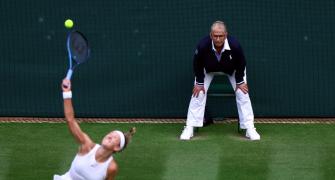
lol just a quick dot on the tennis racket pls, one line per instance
(78, 51)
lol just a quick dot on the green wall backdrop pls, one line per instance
(141, 64)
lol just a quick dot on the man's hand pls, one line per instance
(197, 89)
(66, 85)
(243, 87)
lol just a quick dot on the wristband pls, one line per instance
(67, 95)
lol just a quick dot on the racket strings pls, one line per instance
(79, 47)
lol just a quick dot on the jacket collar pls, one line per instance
(225, 46)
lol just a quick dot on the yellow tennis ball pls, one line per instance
(68, 23)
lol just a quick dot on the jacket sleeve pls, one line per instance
(198, 67)
(240, 65)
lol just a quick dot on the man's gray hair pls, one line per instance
(219, 23)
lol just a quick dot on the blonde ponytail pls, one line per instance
(129, 135)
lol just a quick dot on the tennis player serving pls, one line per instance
(93, 161)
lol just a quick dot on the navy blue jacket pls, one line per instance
(231, 60)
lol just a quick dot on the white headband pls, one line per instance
(122, 139)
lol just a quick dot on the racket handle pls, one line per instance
(69, 74)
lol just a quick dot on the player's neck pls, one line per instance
(102, 154)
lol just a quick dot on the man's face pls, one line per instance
(218, 35)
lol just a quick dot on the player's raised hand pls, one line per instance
(66, 85)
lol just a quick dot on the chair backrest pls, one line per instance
(221, 98)
(220, 86)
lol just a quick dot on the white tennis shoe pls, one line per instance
(187, 133)
(252, 134)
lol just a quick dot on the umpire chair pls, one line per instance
(220, 89)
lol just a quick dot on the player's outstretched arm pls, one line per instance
(82, 138)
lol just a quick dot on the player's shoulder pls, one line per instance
(112, 167)
(112, 170)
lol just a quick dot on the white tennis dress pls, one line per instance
(85, 167)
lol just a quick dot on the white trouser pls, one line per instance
(196, 108)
